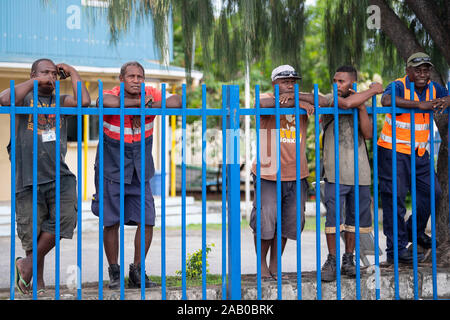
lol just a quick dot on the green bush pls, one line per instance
(194, 263)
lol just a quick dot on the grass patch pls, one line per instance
(176, 281)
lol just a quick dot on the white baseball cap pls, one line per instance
(284, 71)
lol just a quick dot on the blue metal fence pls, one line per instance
(230, 112)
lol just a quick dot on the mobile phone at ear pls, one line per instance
(62, 74)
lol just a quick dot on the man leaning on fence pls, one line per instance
(418, 68)
(45, 72)
(344, 77)
(132, 75)
(285, 77)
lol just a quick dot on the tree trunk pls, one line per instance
(407, 44)
(425, 11)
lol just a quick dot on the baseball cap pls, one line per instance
(417, 59)
(284, 71)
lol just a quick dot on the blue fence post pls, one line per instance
(258, 192)
(122, 188)
(204, 192)
(337, 193)
(163, 192)
(13, 188)
(394, 190)
(57, 191)
(183, 194)
(143, 182)
(35, 177)
(233, 194)
(100, 187)
(317, 155)
(298, 185)
(224, 191)
(80, 187)
(356, 182)
(278, 185)
(375, 196)
(433, 203)
(413, 192)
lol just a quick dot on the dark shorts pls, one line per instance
(347, 208)
(288, 208)
(132, 202)
(46, 210)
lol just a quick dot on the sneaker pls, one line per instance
(114, 276)
(348, 265)
(134, 280)
(405, 257)
(328, 271)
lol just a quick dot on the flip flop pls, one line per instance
(19, 278)
(41, 292)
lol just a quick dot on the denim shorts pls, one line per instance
(288, 208)
(46, 210)
(132, 202)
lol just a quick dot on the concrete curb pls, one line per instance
(269, 290)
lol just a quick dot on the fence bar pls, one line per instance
(233, 177)
(12, 280)
(375, 196)
(163, 192)
(337, 192)
(183, 195)
(299, 191)
(433, 202)
(414, 192)
(80, 187)
(258, 193)
(277, 121)
(230, 100)
(100, 192)
(317, 151)
(224, 192)
(122, 189)
(356, 203)
(57, 189)
(394, 190)
(204, 192)
(35, 176)
(143, 185)
(448, 154)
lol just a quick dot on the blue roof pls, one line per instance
(62, 31)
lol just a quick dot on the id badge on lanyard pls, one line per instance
(48, 134)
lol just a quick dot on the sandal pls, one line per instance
(19, 279)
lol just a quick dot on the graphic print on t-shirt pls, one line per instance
(287, 129)
(45, 121)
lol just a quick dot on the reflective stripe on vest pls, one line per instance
(422, 145)
(130, 135)
(403, 127)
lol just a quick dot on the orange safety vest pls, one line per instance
(403, 127)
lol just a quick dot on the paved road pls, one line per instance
(90, 256)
